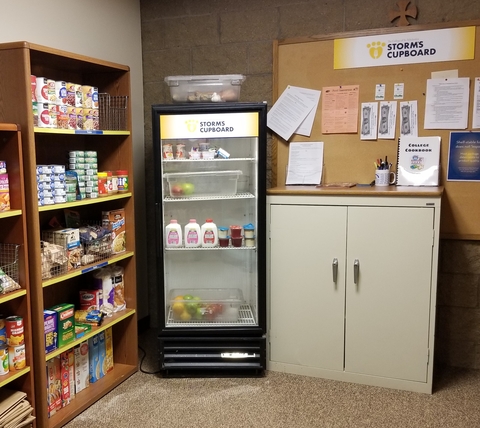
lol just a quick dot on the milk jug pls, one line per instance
(173, 234)
(192, 234)
(209, 234)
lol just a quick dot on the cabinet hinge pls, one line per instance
(433, 237)
(428, 356)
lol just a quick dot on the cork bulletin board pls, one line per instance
(308, 62)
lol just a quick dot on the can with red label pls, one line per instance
(15, 330)
(43, 115)
(41, 89)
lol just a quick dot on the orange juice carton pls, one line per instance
(102, 353)
(66, 365)
(93, 358)
(114, 221)
(50, 327)
(54, 386)
(108, 350)
(65, 323)
(82, 376)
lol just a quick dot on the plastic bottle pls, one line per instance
(192, 234)
(173, 234)
(209, 234)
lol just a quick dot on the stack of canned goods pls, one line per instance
(85, 165)
(12, 344)
(51, 184)
(64, 105)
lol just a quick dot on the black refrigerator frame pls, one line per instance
(223, 350)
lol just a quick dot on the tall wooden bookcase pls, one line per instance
(14, 254)
(18, 61)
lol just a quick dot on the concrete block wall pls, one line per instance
(191, 37)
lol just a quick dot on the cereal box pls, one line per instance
(90, 299)
(4, 193)
(115, 222)
(54, 386)
(108, 350)
(65, 323)
(66, 365)
(50, 326)
(93, 359)
(101, 353)
(82, 376)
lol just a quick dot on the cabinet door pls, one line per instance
(307, 306)
(388, 309)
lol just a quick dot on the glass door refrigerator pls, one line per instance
(210, 193)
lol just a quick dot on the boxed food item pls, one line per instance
(102, 353)
(4, 193)
(65, 323)
(54, 386)
(66, 375)
(206, 88)
(82, 367)
(205, 305)
(50, 326)
(108, 350)
(81, 329)
(93, 359)
(115, 222)
(187, 184)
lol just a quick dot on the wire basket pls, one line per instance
(53, 259)
(112, 112)
(9, 267)
(97, 249)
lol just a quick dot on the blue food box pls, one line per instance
(50, 327)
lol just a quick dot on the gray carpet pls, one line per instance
(280, 400)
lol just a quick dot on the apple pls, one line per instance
(188, 188)
(176, 190)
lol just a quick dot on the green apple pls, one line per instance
(188, 188)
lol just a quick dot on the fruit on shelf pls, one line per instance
(176, 190)
(178, 308)
(185, 316)
(188, 188)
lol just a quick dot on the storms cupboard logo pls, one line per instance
(399, 49)
(191, 125)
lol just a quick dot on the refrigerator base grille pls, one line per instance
(245, 317)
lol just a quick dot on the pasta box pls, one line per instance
(65, 323)
(50, 327)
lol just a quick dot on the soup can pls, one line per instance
(4, 367)
(15, 330)
(16, 357)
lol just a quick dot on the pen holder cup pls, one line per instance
(384, 177)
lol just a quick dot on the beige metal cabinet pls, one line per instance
(352, 288)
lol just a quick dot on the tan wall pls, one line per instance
(235, 36)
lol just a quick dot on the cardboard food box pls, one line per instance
(54, 386)
(115, 222)
(70, 240)
(93, 358)
(66, 367)
(65, 323)
(102, 353)
(50, 327)
(82, 375)
(4, 193)
(108, 350)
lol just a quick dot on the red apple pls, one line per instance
(176, 190)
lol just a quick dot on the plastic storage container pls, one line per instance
(187, 184)
(210, 88)
(205, 304)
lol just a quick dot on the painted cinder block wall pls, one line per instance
(188, 37)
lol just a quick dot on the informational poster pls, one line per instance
(305, 163)
(464, 156)
(387, 120)
(446, 105)
(340, 109)
(368, 121)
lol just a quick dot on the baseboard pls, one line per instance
(143, 324)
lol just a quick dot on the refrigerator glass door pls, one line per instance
(210, 170)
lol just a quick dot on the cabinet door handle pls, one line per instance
(356, 268)
(335, 270)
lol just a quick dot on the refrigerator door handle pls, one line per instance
(335, 270)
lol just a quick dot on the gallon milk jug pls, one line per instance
(209, 234)
(173, 234)
(192, 234)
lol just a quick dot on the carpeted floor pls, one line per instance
(280, 400)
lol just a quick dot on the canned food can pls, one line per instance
(33, 86)
(4, 365)
(41, 90)
(167, 151)
(15, 330)
(43, 115)
(16, 357)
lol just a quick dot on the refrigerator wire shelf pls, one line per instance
(245, 317)
(208, 197)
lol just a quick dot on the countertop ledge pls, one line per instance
(420, 191)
